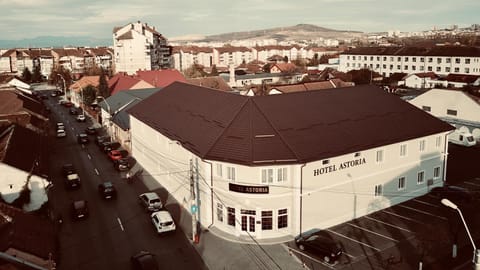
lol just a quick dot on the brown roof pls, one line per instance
(289, 128)
(461, 78)
(285, 67)
(417, 51)
(211, 82)
(232, 49)
(431, 75)
(26, 232)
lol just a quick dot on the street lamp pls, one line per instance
(476, 253)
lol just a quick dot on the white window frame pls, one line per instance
(267, 176)
(231, 173)
(401, 183)
(378, 190)
(422, 180)
(379, 156)
(436, 172)
(220, 213)
(438, 141)
(282, 174)
(421, 145)
(272, 175)
(218, 170)
(403, 150)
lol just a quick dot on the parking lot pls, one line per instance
(418, 230)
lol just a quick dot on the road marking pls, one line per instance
(96, 171)
(311, 258)
(388, 224)
(89, 157)
(473, 184)
(372, 232)
(73, 129)
(351, 239)
(400, 216)
(120, 222)
(423, 212)
(426, 203)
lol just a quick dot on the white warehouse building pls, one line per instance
(275, 166)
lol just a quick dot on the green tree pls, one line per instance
(285, 59)
(89, 94)
(103, 84)
(195, 71)
(37, 75)
(266, 68)
(57, 74)
(27, 75)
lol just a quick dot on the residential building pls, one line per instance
(265, 167)
(121, 81)
(442, 60)
(226, 56)
(453, 106)
(184, 57)
(419, 80)
(138, 46)
(71, 59)
(77, 87)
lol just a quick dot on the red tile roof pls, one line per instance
(211, 82)
(461, 78)
(430, 75)
(417, 51)
(160, 78)
(232, 49)
(289, 128)
(121, 82)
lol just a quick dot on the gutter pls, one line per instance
(211, 191)
(301, 196)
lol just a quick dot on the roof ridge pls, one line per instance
(273, 127)
(9, 130)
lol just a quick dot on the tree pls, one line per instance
(214, 71)
(37, 75)
(285, 59)
(266, 68)
(314, 61)
(55, 79)
(195, 71)
(103, 89)
(89, 94)
(26, 75)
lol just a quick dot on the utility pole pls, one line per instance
(193, 205)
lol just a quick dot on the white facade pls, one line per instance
(293, 198)
(456, 107)
(388, 64)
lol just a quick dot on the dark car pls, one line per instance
(82, 138)
(122, 164)
(144, 260)
(79, 209)
(68, 169)
(107, 190)
(453, 193)
(320, 244)
(91, 130)
(101, 139)
(73, 111)
(107, 147)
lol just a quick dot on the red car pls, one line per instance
(117, 154)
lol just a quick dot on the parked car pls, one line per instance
(107, 147)
(144, 260)
(79, 209)
(71, 178)
(117, 154)
(73, 111)
(81, 118)
(150, 201)
(320, 244)
(107, 190)
(163, 221)
(61, 133)
(101, 139)
(82, 138)
(60, 125)
(68, 169)
(53, 94)
(91, 130)
(122, 164)
(456, 194)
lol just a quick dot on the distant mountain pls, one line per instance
(297, 32)
(56, 41)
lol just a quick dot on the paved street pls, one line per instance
(116, 229)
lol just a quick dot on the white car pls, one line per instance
(61, 133)
(150, 201)
(60, 125)
(163, 221)
(81, 118)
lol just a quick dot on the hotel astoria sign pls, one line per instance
(340, 166)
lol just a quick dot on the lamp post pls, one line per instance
(476, 253)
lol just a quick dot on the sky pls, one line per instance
(96, 18)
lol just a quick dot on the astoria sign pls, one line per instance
(248, 189)
(341, 166)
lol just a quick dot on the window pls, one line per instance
(357, 154)
(282, 218)
(384, 58)
(436, 172)
(371, 58)
(406, 59)
(422, 146)
(391, 67)
(377, 66)
(378, 58)
(267, 175)
(430, 59)
(467, 70)
(426, 108)
(457, 60)
(220, 212)
(414, 68)
(399, 67)
(420, 177)
(456, 70)
(281, 174)
(422, 59)
(467, 60)
(399, 59)
(378, 190)
(448, 60)
(401, 183)
(391, 58)
(384, 66)
(429, 68)
(403, 150)
(414, 59)
(219, 169)
(267, 220)
(438, 141)
(231, 216)
(231, 173)
(422, 68)
(348, 64)
(354, 57)
(325, 162)
(439, 60)
(379, 156)
(438, 69)
(364, 58)
(447, 69)
(452, 112)
(348, 57)
(406, 68)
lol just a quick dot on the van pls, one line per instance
(462, 138)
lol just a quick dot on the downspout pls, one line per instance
(445, 159)
(211, 191)
(301, 196)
